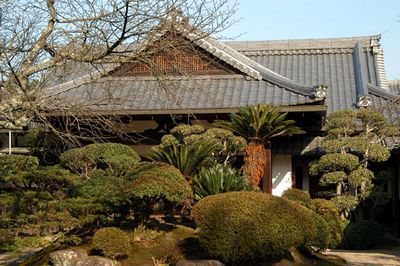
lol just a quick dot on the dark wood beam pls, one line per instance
(289, 109)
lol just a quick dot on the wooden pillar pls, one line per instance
(267, 175)
(395, 196)
(9, 142)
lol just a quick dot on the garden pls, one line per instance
(188, 200)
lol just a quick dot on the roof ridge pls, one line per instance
(386, 94)
(293, 44)
(378, 36)
(266, 73)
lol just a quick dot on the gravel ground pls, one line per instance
(390, 256)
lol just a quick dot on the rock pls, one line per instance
(66, 257)
(77, 257)
(199, 263)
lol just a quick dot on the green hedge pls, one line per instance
(241, 227)
(363, 234)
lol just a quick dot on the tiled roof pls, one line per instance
(272, 72)
(394, 86)
(138, 94)
(349, 66)
(256, 84)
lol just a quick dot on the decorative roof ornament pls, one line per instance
(375, 44)
(175, 16)
(364, 101)
(320, 91)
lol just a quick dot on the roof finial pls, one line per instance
(321, 90)
(175, 15)
(364, 101)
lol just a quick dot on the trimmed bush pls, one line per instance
(111, 242)
(300, 196)
(330, 213)
(159, 180)
(239, 227)
(134, 195)
(217, 179)
(118, 159)
(363, 234)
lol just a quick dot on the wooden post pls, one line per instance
(9, 142)
(395, 196)
(267, 175)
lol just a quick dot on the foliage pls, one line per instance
(217, 179)
(258, 125)
(364, 234)
(50, 179)
(225, 144)
(116, 158)
(239, 227)
(187, 158)
(159, 180)
(325, 209)
(353, 141)
(12, 164)
(45, 145)
(329, 212)
(111, 242)
(135, 194)
(300, 196)
(38, 202)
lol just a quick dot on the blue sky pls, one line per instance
(304, 19)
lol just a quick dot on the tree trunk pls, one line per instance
(255, 161)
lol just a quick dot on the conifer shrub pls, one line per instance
(111, 242)
(240, 227)
(300, 196)
(12, 164)
(154, 180)
(364, 234)
(118, 159)
(330, 213)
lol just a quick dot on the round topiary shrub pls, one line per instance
(159, 180)
(300, 196)
(118, 159)
(111, 242)
(330, 213)
(239, 227)
(363, 234)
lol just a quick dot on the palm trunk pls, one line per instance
(255, 161)
(267, 175)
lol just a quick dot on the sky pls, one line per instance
(307, 19)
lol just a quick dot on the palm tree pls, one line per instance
(258, 125)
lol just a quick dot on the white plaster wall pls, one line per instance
(281, 173)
